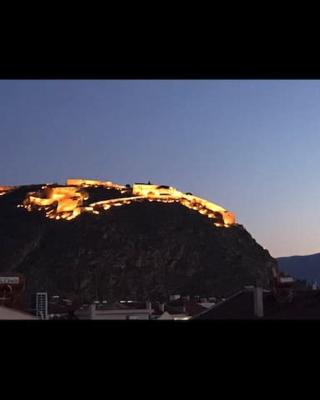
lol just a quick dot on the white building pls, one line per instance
(114, 312)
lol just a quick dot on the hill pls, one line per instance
(146, 249)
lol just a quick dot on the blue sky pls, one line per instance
(250, 146)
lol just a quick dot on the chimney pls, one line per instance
(161, 307)
(258, 301)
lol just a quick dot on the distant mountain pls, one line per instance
(301, 267)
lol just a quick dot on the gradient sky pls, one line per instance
(251, 146)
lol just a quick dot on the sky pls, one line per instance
(250, 146)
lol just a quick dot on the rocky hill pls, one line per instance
(141, 250)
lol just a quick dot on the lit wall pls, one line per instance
(91, 182)
(66, 202)
(6, 189)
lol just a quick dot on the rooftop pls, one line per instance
(11, 314)
(305, 304)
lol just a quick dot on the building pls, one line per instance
(174, 309)
(173, 317)
(179, 308)
(58, 201)
(257, 303)
(60, 308)
(116, 311)
(149, 190)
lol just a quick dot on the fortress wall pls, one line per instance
(86, 182)
(38, 201)
(143, 190)
(154, 190)
(91, 182)
(208, 204)
(69, 200)
(68, 204)
(6, 189)
(229, 218)
(58, 193)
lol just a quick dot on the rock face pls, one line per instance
(139, 251)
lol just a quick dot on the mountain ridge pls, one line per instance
(305, 267)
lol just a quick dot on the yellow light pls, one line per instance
(66, 202)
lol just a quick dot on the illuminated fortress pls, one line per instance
(6, 189)
(67, 202)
